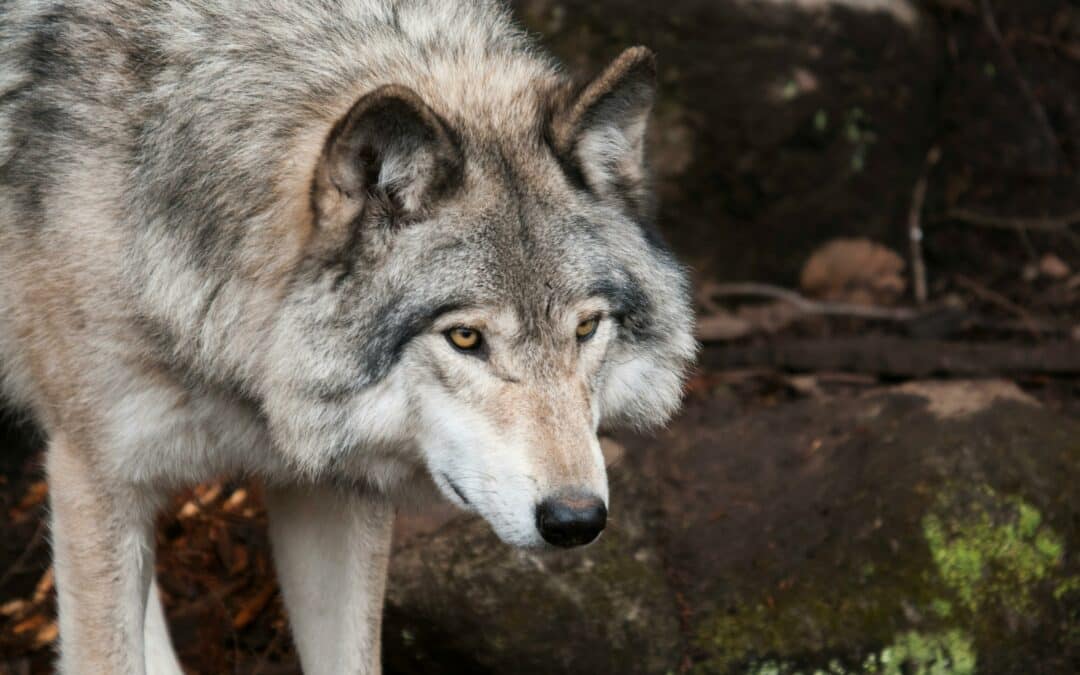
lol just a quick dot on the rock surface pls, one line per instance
(926, 529)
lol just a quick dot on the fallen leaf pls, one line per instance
(806, 385)
(1053, 267)
(44, 586)
(235, 500)
(31, 625)
(46, 635)
(35, 495)
(253, 607)
(208, 494)
(13, 608)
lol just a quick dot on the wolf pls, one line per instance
(348, 248)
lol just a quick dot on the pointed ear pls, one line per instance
(391, 151)
(601, 133)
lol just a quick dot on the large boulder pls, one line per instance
(931, 528)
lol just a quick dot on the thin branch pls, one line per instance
(1054, 224)
(1037, 110)
(915, 230)
(1000, 300)
(1068, 49)
(808, 306)
(17, 565)
(718, 326)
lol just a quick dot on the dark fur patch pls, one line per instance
(630, 304)
(30, 172)
(570, 168)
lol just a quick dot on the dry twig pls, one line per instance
(719, 326)
(1059, 224)
(1021, 225)
(17, 566)
(915, 230)
(811, 307)
(1000, 300)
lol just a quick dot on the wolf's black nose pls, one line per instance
(572, 520)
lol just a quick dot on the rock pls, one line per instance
(895, 532)
(931, 528)
(856, 271)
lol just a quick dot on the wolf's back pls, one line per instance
(147, 149)
(202, 102)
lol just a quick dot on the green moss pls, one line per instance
(808, 621)
(942, 608)
(913, 653)
(1066, 588)
(984, 552)
(1050, 546)
(988, 547)
(1028, 519)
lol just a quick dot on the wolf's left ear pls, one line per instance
(390, 148)
(601, 133)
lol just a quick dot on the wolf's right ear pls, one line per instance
(390, 149)
(601, 132)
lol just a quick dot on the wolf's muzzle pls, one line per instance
(571, 520)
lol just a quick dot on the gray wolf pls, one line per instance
(345, 247)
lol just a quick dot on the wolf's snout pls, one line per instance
(569, 521)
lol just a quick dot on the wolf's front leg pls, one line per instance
(331, 550)
(103, 557)
(160, 656)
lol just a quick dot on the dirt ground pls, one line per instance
(782, 126)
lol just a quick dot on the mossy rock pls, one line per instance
(924, 530)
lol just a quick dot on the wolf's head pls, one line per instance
(481, 296)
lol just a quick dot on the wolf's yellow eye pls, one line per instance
(465, 339)
(587, 328)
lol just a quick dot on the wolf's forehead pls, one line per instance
(533, 282)
(540, 254)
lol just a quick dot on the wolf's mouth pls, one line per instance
(456, 489)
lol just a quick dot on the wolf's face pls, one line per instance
(480, 305)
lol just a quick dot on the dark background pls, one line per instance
(783, 127)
